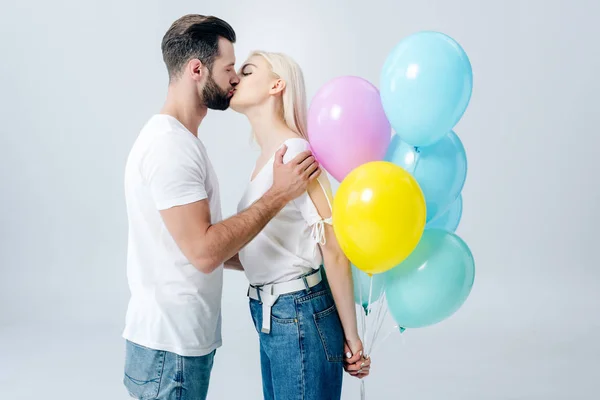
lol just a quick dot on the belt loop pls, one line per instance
(267, 304)
(266, 323)
(258, 289)
(307, 287)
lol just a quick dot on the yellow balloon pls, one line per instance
(378, 216)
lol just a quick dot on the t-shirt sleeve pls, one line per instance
(175, 171)
(304, 203)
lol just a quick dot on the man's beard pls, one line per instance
(214, 97)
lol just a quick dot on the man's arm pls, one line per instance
(234, 263)
(207, 245)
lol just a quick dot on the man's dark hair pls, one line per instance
(194, 36)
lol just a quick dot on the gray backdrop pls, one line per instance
(79, 78)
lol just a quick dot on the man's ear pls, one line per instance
(196, 69)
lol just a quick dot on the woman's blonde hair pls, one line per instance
(294, 94)
(294, 100)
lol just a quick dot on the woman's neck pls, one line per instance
(269, 129)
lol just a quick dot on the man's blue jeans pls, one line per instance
(161, 375)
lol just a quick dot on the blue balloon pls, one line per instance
(433, 282)
(440, 169)
(426, 85)
(449, 220)
(362, 282)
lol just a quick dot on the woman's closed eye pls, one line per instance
(246, 70)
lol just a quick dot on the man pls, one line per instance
(177, 241)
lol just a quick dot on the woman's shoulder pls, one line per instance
(295, 146)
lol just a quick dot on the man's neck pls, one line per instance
(186, 109)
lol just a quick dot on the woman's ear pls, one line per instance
(278, 86)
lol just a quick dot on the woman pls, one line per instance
(306, 321)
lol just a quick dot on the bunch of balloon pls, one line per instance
(399, 200)
(379, 209)
(426, 85)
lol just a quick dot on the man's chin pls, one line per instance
(223, 108)
(220, 106)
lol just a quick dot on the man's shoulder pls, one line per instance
(165, 128)
(173, 140)
(162, 141)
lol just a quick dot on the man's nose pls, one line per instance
(235, 80)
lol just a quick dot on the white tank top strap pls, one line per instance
(318, 229)
(325, 192)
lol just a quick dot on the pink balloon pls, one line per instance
(347, 126)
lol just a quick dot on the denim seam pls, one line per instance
(140, 382)
(179, 376)
(283, 320)
(161, 372)
(318, 316)
(324, 313)
(156, 380)
(311, 296)
(300, 343)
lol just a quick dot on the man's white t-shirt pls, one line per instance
(173, 306)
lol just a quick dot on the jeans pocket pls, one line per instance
(331, 333)
(143, 371)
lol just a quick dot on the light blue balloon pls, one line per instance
(440, 169)
(362, 281)
(449, 220)
(433, 282)
(426, 84)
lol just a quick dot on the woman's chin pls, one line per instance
(235, 106)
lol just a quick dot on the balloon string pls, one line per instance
(375, 325)
(385, 338)
(417, 154)
(370, 290)
(363, 326)
(368, 332)
(382, 313)
(393, 330)
(379, 328)
(360, 294)
(363, 311)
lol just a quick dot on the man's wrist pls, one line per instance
(275, 199)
